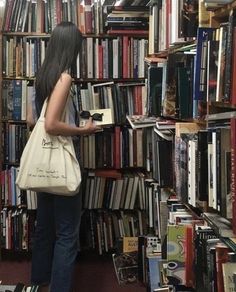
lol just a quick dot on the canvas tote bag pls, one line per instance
(48, 163)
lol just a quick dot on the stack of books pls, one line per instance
(213, 4)
(127, 19)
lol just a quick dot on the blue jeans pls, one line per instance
(56, 241)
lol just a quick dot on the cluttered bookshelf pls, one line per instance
(161, 174)
(194, 86)
(109, 77)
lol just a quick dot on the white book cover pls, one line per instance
(106, 119)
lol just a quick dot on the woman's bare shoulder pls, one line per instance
(66, 77)
(64, 81)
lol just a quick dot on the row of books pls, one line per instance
(214, 55)
(203, 167)
(194, 252)
(17, 228)
(101, 58)
(95, 17)
(215, 63)
(15, 96)
(38, 16)
(120, 191)
(118, 57)
(14, 139)
(118, 147)
(169, 86)
(182, 86)
(171, 22)
(107, 228)
(122, 98)
(11, 195)
(23, 56)
(200, 167)
(127, 18)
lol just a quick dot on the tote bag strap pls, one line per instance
(43, 111)
(65, 114)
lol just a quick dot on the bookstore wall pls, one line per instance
(160, 176)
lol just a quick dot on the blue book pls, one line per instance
(204, 35)
(154, 271)
(17, 97)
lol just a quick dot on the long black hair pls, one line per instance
(61, 54)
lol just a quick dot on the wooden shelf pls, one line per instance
(215, 107)
(153, 60)
(177, 47)
(104, 35)
(224, 11)
(221, 116)
(26, 34)
(102, 80)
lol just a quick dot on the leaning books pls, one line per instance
(126, 267)
(141, 121)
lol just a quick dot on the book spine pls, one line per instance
(88, 16)
(233, 81)
(125, 57)
(228, 59)
(233, 172)
(17, 96)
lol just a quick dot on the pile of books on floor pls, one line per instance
(19, 287)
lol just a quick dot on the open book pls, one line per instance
(141, 121)
(107, 117)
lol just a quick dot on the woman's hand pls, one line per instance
(90, 127)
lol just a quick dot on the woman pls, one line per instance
(55, 243)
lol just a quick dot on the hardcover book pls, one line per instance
(126, 267)
(200, 69)
(229, 268)
(175, 254)
(141, 121)
(106, 117)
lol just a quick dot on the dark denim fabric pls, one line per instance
(56, 241)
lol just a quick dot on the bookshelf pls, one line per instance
(160, 187)
(198, 199)
(110, 73)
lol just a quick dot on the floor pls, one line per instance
(93, 274)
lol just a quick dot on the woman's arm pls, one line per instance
(29, 116)
(55, 108)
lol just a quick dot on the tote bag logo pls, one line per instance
(54, 169)
(48, 144)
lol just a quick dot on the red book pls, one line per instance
(140, 102)
(9, 193)
(189, 256)
(8, 14)
(80, 18)
(58, 11)
(132, 32)
(113, 173)
(125, 57)
(221, 257)
(168, 11)
(88, 16)
(233, 171)
(100, 61)
(233, 80)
